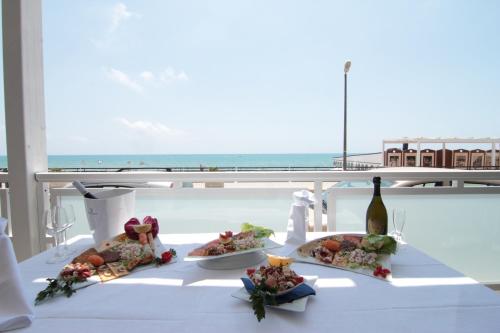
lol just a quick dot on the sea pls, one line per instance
(189, 160)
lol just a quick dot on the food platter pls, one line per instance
(356, 255)
(277, 280)
(233, 260)
(268, 244)
(298, 305)
(234, 250)
(138, 248)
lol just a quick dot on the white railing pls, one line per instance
(277, 176)
(317, 177)
(338, 200)
(4, 200)
(4, 177)
(5, 208)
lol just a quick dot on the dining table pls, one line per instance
(424, 295)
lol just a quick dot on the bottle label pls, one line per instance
(375, 227)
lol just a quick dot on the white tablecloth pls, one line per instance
(424, 296)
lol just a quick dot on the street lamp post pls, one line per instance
(347, 66)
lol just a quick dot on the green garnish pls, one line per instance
(258, 303)
(260, 232)
(259, 298)
(54, 288)
(381, 244)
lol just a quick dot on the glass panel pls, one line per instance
(189, 215)
(460, 230)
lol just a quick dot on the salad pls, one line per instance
(275, 279)
(269, 282)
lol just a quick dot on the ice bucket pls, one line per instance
(108, 213)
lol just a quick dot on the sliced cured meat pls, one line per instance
(228, 243)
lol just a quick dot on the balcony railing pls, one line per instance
(453, 223)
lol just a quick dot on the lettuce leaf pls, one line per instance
(379, 244)
(260, 232)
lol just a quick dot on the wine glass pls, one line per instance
(70, 219)
(398, 222)
(53, 226)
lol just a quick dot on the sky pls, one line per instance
(265, 76)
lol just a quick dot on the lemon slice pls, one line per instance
(142, 228)
(279, 261)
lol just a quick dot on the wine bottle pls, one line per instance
(376, 214)
(79, 186)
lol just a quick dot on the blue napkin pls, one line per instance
(301, 291)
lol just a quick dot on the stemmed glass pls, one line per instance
(69, 211)
(398, 222)
(56, 223)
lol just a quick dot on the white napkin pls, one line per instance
(15, 310)
(298, 219)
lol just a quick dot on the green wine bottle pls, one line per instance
(376, 214)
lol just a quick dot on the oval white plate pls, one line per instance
(268, 244)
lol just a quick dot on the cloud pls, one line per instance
(119, 14)
(123, 79)
(144, 127)
(147, 76)
(170, 75)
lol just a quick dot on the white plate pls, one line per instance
(268, 244)
(383, 260)
(299, 305)
(244, 260)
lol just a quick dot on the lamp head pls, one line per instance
(347, 66)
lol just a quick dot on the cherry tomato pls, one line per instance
(166, 257)
(299, 279)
